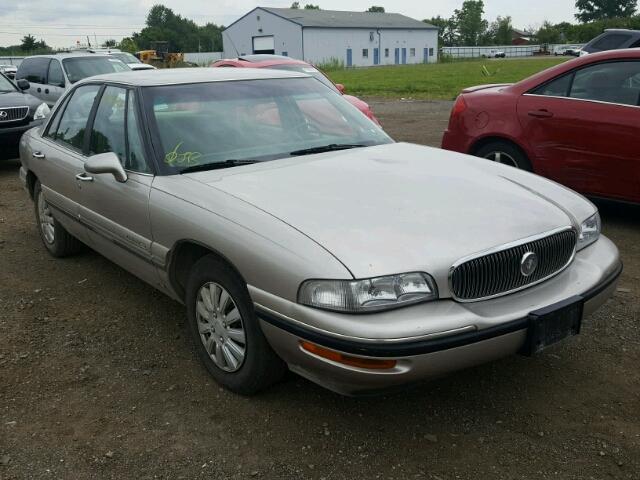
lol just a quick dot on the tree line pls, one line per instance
(467, 26)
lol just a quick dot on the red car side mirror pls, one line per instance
(340, 88)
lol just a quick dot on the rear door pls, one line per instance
(583, 128)
(58, 157)
(117, 214)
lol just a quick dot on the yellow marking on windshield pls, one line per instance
(174, 158)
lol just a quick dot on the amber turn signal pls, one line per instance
(368, 363)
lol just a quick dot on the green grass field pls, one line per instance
(441, 81)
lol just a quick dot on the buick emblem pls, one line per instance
(528, 263)
(3, 114)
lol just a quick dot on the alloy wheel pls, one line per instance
(221, 327)
(502, 157)
(46, 220)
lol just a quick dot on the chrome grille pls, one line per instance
(12, 114)
(499, 272)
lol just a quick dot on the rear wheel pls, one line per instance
(505, 153)
(225, 331)
(55, 238)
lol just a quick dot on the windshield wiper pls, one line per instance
(326, 148)
(217, 165)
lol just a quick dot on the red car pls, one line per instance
(278, 62)
(577, 123)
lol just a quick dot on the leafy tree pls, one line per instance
(128, 45)
(589, 10)
(309, 6)
(503, 31)
(470, 24)
(447, 30)
(28, 43)
(548, 33)
(375, 9)
(295, 5)
(111, 43)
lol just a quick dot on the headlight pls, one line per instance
(371, 294)
(589, 231)
(41, 112)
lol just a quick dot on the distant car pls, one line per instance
(577, 123)
(19, 112)
(612, 39)
(9, 70)
(495, 54)
(572, 51)
(360, 263)
(50, 75)
(131, 60)
(279, 62)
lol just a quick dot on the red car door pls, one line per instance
(583, 129)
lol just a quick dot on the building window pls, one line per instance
(431, 52)
(365, 53)
(386, 52)
(412, 52)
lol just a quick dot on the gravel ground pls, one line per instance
(97, 381)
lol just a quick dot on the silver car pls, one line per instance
(299, 235)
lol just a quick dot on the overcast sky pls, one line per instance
(62, 22)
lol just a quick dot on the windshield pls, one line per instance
(125, 57)
(6, 85)
(309, 70)
(83, 67)
(208, 123)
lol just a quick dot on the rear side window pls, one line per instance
(73, 122)
(611, 41)
(33, 70)
(611, 82)
(55, 77)
(555, 88)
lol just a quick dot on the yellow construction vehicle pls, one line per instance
(160, 57)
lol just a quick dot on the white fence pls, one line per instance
(202, 58)
(11, 60)
(509, 50)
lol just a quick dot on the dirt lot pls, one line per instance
(97, 381)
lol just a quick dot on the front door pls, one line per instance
(583, 129)
(349, 57)
(376, 56)
(117, 214)
(425, 55)
(404, 56)
(396, 56)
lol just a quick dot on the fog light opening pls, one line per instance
(366, 363)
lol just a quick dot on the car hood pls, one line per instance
(399, 207)
(18, 99)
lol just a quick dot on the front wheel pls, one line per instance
(225, 330)
(505, 153)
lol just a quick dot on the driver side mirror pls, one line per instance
(340, 88)
(106, 163)
(23, 84)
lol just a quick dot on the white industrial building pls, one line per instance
(318, 36)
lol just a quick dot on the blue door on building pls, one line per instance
(425, 57)
(397, 56)
(404, 56)
(349, 58)
(376, 56)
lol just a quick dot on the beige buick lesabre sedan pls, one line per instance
(299, 235)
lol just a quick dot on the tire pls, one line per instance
(55, 238)
(219, 327)
(505, 153)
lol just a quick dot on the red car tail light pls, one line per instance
(458, 109)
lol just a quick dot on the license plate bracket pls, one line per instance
(554, 323)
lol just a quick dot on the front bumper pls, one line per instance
(447, 335)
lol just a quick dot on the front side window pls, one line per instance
(612, 82)
(73, 122)
(107, 134)
(78, 68)
(55, 77)
(611, 41)
(251, 120)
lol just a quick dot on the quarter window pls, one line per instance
(55, 77)
(555, 88)
(73, 122)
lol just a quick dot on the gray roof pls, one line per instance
(341, 19)
(172, 76)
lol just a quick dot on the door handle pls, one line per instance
(540, 113)
(83, 177)
(37, 155)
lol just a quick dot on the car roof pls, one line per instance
(173, 76)
(264, 60)
(63, 55)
